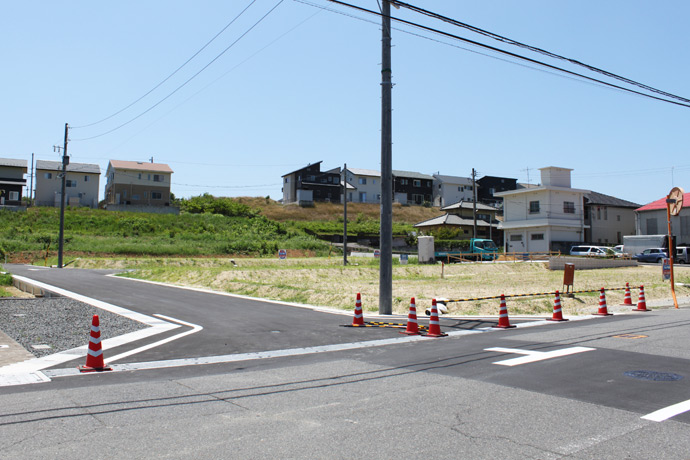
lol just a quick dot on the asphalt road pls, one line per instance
(580, 391)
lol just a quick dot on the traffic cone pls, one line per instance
(627, 300)
(358, 320)
(557, 314)
(641, 303)
(94, 356)
(412, 326)
(603, 311)
(434, 325)
(503, 321)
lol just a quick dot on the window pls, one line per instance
(86, 178)
(460, 189)
(159, 178)
(652, 227)
(70, 183)
(534, 207)
(618, 217)
(537, 236)
(606, 213)
(156, 195)
(14, 196)
(417, 183)
(403, 182)
(362, 197)
(135, 197)
(373, 181)
(287, 180)
(598, 213)
(146, 195)
(362, 181)
(418, 199)
(569, 207)
(48, 175)
(515, 237)
(139, 176)
(492, 191)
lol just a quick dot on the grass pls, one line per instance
(5, 280)
(326, 282)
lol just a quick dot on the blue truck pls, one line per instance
(478, 249)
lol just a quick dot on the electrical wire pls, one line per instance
(188, 80)
(514, 55)
(169, 76)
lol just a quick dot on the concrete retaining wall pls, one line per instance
(589, 263)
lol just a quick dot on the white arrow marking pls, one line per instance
(668, 412)
(533, 356)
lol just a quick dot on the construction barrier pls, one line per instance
(358, 320)
(412, 326)
(603, 310)
(557, 312)
(94, 355)
(536, 294)
(434, 325)
(641, 303)
(503, 321)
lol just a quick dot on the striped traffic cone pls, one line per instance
(603, 311)
(358, 320)
(557, 313)
(627, 300)
(503, 321)
(434, 325)
(641, 303)
(94, 356)
(412, 326)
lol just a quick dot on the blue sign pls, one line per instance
(403, 259)
(282, 254)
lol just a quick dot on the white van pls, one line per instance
(591, 251)
(682, 255)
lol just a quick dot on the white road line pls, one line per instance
(195, 328)
(668, 412)
(534, 356)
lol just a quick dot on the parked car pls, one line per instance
(592, 251)
(682, 255)
(655, 255)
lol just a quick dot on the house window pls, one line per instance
(14, 196)
(139, 176)
(146, 195)
(70, 183)
(618, 217)
(652, 227)
(515, 237)
(156, 195)
(418, 199)
(534, 207)
(606, 213)
(417, 183)
(159, 178)
(537, 236)
(135, 197)
(362, 181)
(460, 189)
(403, 181)
(48, 175)
(598, 213)
(86, 178)
(492, 191)
(569, 207)
(362, 197)
(373, 181)
(287, 179)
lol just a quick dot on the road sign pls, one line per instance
(666, 269)
(377, 253)
(676, 196)
(282, 254)
(403, 259)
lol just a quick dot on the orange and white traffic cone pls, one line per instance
(627, 300)
(94, 356)
(412, 326)
(641, 303)
(603, 311)
(358, 320)
(557, 313)
(434, 325)
(503, 321)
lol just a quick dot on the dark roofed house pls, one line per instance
(412, 187)
(309, 184)
(12, 181)
(608, 219)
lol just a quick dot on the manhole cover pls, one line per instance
(653, 375)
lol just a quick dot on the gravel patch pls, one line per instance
(49, 325)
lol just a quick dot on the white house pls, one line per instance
(651, 219)
(548, 217)
(367, 185)
(452, 189)
(81, 184)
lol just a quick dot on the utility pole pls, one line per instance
(65, 162)
(386, 231)
(474, 201)
(31, 187)
(345, 214)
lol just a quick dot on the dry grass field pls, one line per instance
(326, 282)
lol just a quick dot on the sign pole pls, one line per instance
(674, 203)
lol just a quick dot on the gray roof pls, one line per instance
(310, 164)
(469, 205)
(72, 167)
(607, 200)
(364, 172)
(412, 175)
(453, 179)
(451, 219)
(13, 162)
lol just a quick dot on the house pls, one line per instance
(81, 184)
(12, 181)
(464, 224)
(451, 189)
(412, 188)
(548, 217)
(309, 184)
(487, 186)
(608, 219)
(651, 219)
(485, 214)
(137, 183)
(366, 183)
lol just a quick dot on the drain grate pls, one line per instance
(653, 376)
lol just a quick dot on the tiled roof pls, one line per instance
(469, 205)
(450, 219)
(412, 175)
(661, 204)
(140, 166)
(72, 167)
(364, 172)
(607, 200)
(12, 162)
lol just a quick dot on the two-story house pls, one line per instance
(451, 189)
(309, 184)
(488, 186)
(608, 219)
(412, 188)
(366, 183)
(548, 217)
(137, 183)
(81, 184)
(12, 181)
(651, 219)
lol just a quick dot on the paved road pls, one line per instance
(582, 394)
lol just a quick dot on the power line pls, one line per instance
(188, 80)
(514, 55)
(169, 76)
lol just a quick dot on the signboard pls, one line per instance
(282, 254)
(403, 259)
(377, 253)
(666, 269)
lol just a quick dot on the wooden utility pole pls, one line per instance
(474, 201)
(345, 214)
(386, 231)
(65, 162)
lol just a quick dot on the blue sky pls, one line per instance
(304, 86)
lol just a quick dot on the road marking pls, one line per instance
(668, 412)
(532, 356)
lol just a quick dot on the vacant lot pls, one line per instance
(326, 282)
